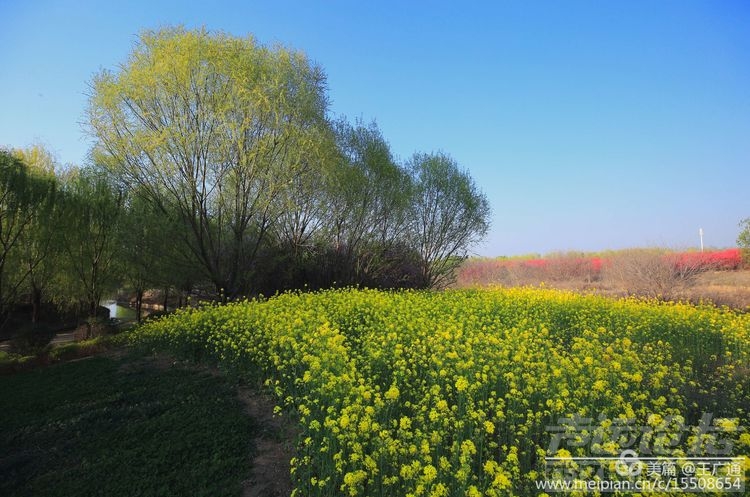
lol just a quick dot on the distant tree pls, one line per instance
(143, 239)
(302, 210)
(211, 129)
(147, 253)
(449, 214)
(369, 195)
(92, 210)
(743, 240)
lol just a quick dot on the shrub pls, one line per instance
(32, 338)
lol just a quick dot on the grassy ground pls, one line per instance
(125, 426)
(730, 288)
(723, 288)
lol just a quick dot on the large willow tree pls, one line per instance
(211, 129)
(26, 200)
(38, 241)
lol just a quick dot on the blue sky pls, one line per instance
(589, 125)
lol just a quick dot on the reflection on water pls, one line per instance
(119, 312)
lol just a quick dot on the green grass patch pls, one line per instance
(121, 427)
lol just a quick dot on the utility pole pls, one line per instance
(700, 233)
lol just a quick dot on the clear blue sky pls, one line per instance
(589, 125)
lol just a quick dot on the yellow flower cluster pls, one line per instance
(450, 393)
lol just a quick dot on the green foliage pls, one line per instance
(32, 338)
(26, 198)
(211, 128)
(92, 209)
(216, 165)
(38, 159)
(147, 252)
(230, 142)
(369, 196)
(37, 243)
(450, 214)
(121, 428)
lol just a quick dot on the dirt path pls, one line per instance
(274, 448)
(62, 338)
(58, 339)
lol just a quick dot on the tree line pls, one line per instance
(217, 167)
(58, 233)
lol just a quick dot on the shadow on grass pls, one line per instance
(112, 427)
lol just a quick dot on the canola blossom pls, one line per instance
(451, 393)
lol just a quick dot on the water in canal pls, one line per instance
(118, 311)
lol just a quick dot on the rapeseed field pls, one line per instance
(470, 393)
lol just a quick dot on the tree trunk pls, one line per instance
(138, 304)
(36, 304)
(92, 318)
(166, 297)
